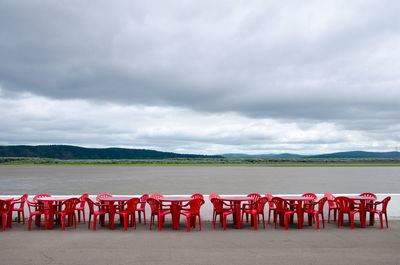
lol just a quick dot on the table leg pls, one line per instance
(238, 215)
(111, 215)
(175, 215)
(363, 214)
(300, 214)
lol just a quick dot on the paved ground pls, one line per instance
(142, 246)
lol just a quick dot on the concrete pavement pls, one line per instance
(142, 246)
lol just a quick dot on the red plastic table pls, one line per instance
(363, 208)
(176, 202)
(237, 200)
(111, 201)
(49, 208)
(300, 213)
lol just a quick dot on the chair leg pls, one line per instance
(199, 222)
(29, 223)
(317, 220)
(263, 220)
(351, 221)
(125, 222)
(160, 222)
(188, 220)
(329, 215)
(90, 217)
(380, 219)
(286, 222)
(387, 225)
(255, 221)
(83, 212)
(23, 217)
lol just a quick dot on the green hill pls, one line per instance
(76, 152)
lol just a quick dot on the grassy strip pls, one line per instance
(333, 162)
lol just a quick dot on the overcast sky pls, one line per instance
(204, 77)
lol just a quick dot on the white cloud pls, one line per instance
(30, 119)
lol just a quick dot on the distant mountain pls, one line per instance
(76, 152)
(358, 154)
(350, 154)
(284, 155)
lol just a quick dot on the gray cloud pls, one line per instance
(307, 63)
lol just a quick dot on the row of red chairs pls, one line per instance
(279, 206)
(314, 209)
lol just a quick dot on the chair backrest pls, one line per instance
(218, 205)
(5, 207)
(82, 199)
(280, 204)
(70, 204)
(321, 204)
(37, 206)
(197, 196)
(21, 201)
(331, 199)
(195, 205)
(369, 195)
(213, 195)
(90, 204)
(143, 200)
(156, 196)
(103, 195)
(260, 204)
(255, 196)
(310, 195)
(155, 205)
(43, 195)
(270, 202)
(344, 204)
(385, 203)
(131, 205)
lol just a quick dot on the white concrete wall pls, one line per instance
(206, 210)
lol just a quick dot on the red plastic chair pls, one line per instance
(283, 208)
(345, 206)
(68, 209)
(212, 196)
(36, 210)
(248, 206)
(157, 210)
(314, 214)
(102, 210)
(381, 212)
(332, 206)
(221, 211)
(369, 204)
(271, 206)
(81, 207)
(20, 210)
(142, 208)
(5, 208)
(312, 196)
(257, 210)
(194, 210)
(128, 209)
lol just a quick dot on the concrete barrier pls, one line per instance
(206, 210)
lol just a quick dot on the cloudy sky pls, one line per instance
(204, 77)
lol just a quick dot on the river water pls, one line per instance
(192, 179)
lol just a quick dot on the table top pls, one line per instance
(295, 198)
(7, 199)
(357, 197)
(236, 198)
(117, 199)
(54, 199)
(176, 199)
